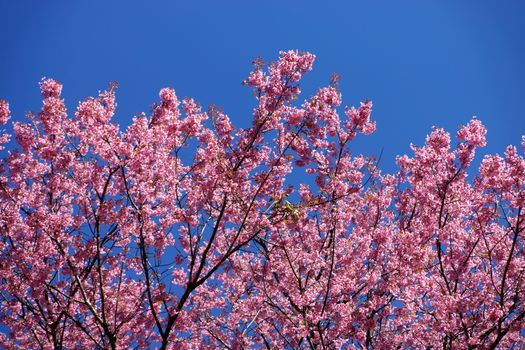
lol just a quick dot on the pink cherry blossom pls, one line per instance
(4, 112)
(182, 231)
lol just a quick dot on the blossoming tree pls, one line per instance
(184, 232)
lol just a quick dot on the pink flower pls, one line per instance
(184, 232)
(50, 88)
(25, 136)
(5, 113)
(360, 118)
(474, 133)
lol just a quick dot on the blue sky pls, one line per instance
(423, 63)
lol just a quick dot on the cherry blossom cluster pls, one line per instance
(182, 231)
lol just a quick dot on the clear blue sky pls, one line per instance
(423, 63)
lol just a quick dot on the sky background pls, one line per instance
(422, 63)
